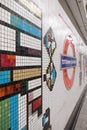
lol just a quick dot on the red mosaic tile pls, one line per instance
(8, 90)
(37, 103)
(8, 60)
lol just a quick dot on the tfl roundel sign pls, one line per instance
(68, 62)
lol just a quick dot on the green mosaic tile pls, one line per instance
(5, 114)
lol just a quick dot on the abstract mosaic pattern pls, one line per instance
(20, 63)
(50, 45)
(46, 120)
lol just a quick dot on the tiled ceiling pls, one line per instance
(75, 11)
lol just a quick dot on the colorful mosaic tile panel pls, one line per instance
(20, 63)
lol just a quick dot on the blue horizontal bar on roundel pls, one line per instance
(67, 62)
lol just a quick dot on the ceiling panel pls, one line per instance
(75, 11)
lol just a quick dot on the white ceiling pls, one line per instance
(76, 12)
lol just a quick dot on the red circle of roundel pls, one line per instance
(69, 82)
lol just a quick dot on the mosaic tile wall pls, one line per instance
(20, 63)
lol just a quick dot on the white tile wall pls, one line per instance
(22, 111)
(31, 42)
(4, 15)
(34, 94)
(34, 83)
(7, 39)
(27, 61)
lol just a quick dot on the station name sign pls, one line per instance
(67, 62)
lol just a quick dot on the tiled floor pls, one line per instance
(82, 119)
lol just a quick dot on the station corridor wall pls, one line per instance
(43, 65)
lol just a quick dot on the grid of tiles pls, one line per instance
(20, 63)
(26, 40)
(7, 38)
(20, 10)
(5, 77)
